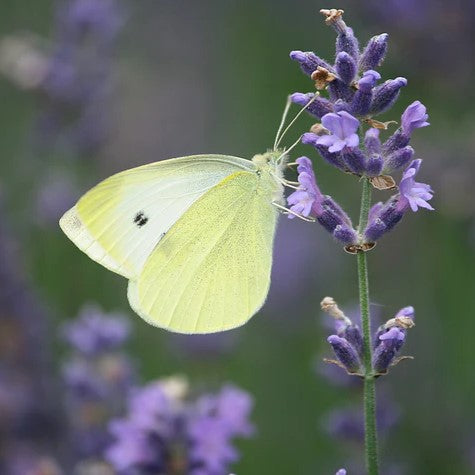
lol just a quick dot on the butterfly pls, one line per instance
(193, 235)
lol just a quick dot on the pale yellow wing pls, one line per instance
(120, 221)
(211, 271)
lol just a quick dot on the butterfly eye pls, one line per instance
(140, 219)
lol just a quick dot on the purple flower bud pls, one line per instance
(363, 97)
(345, 67)
(395, 142)
(372, 142)
(369, 80)
(373, 54)
(332, 158)
(355, 160)
(348, 43)
(343, 127)
(414, 117)
(374, 165)
(407, 312)
(386, 95)
(382, 219)
(342, 471)
(337, 89)
(332, 217)
(340, 105)
(386, 351)
(94, 332)
(309, 61)
(345, 234)
(353, 335)
(318, 108)
(345, 353)
(399, 159)
(411, 193)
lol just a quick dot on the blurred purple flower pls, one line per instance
(348, 424)
(99, 18)
(210, 446)
(94, 332)
(77, 83)
(342, 471)
(343, 127)
(165, 431)
(98, 377)
(24, 461)
(28, 412)
(55, 195)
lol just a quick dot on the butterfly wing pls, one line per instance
(211, 272)
(120, 221)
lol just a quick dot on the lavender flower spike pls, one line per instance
(414, 117)
(413, 194)
(343, 127)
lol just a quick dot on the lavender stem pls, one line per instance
(369, 395)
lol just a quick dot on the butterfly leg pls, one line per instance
(285, 210)
(289, 184)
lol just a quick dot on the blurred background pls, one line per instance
(163, 78)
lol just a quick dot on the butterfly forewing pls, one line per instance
(211, 271)
(119, 222)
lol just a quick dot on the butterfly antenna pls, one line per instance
(289, 149)
(292, 122)
(282, 121)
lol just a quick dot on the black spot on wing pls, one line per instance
(140, 219)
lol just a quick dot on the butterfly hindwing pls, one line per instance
(119, 222)
(211, 271)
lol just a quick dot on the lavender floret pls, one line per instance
(345, 67)
(354, 159)
(372, 142)
(386, 351)
(309, 62)
(319, 106)
(385, 96)
(363, 97)
(399, 159)
(308, 201)
(345, 353)
(342, 127)
(373, 54)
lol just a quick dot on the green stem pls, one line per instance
(371, 440)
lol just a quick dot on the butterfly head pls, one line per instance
(273, 161)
